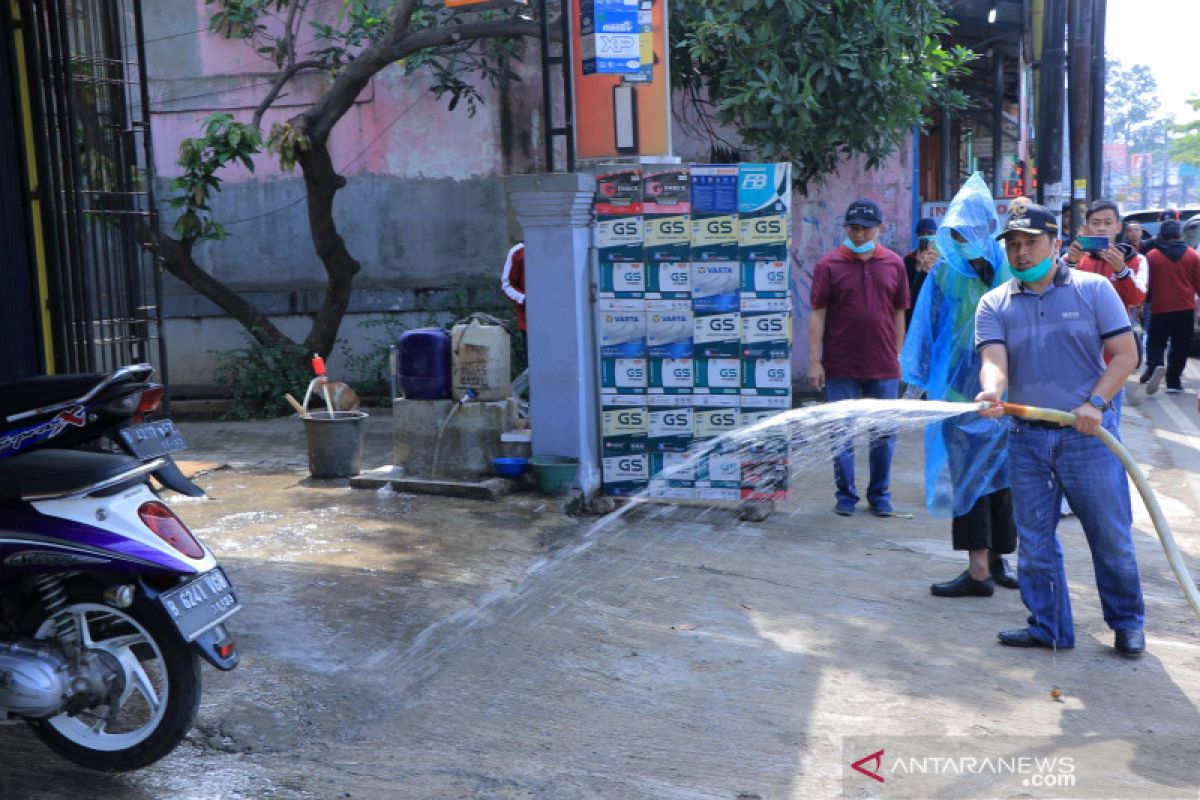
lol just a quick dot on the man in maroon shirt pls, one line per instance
(859, 296)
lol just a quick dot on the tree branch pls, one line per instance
(403, 17)
(280, 80)
(453, 34)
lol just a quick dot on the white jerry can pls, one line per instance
(480, 361)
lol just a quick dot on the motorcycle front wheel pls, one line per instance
(153, 696)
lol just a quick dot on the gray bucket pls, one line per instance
(335, 443)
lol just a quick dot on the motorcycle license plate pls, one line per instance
(201, 603)
(153, 439)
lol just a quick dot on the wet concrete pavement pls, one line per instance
(414, 647)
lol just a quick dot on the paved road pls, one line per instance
(420, 648)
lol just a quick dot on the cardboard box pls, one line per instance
(717, 335)
(713, 422)
(714, 188)
(671, 376)
(675, 470)
(618, 191)
(623, 430)
(671, 280)
(715, 287)
(763, 238)
(625, 475)
(767, 376)
(622, 280)
(666, 189)
(766, 328)
(621, 328)
(714, 237)
(717, 376)
(765, 480)
(622, 376)
(720, 470)
(670, 328)
(619, 239)
(717, 495)
(764, 279)
(765, 190)
(669, 429)
(668, 237)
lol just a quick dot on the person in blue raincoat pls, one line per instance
(966, 473)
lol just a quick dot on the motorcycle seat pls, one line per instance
(31, 393)
(45, 473)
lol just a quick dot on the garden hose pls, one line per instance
(1174, 558)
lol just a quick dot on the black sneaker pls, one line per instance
(963, 586)
(1156, 378)
(1001, 575)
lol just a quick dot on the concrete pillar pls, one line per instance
(555, 215)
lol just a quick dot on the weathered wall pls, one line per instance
(424, 208)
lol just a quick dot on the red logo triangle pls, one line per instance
(877, 758)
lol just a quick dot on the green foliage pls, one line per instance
(287, 143)
(1185, 149)
(224, 140)
(815, 80)
(1130, 105)
(258, 375)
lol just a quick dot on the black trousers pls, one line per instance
(988, 525)
(1174, 327)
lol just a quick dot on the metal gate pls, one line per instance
(91, 118)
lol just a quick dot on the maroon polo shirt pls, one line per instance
(860, 299)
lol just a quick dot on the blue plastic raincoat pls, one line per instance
(964, 455)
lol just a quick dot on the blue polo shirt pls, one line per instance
(1055, 340)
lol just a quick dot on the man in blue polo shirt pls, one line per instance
(1043, 338)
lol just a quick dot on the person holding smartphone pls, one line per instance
(919, 262)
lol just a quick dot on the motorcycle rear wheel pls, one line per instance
(159, 682)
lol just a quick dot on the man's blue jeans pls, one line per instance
(881, 447)
(1043, 465)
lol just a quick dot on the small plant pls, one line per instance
(258, 376)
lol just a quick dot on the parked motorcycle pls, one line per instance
(107, 601)
(97, 411)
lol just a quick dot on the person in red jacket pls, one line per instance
(1174, 283)
(512, 283)
(1124, 267)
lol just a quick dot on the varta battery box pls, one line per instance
(671, 280)
(623, 376)
(622, 280)
(618, 191)
(625, 475)
(619, 239)
(717, 376)
(715, 287)
(666, 190)
(717, 335)
(621, 328)
(766, 328)
(623, 430)
(668, 237)
(669, 329)
(670, 376)
(764, 211)
(764, 279)
(711, 420)
(670, 429)
(767, 376)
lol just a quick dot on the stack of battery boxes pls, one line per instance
(693, 323)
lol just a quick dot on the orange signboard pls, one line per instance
(624, 115)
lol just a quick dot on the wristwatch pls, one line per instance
(1099, 403)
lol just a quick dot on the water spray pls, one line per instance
(1174, 558)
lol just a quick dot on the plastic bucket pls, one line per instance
(335, 443)
(554, 475)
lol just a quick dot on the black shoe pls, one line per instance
(1001, 576)
(1130, 643)
(1021, 637)
(1145, 377)
(963, 586)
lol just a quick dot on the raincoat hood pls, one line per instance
(972, 213)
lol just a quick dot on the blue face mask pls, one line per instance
(970, 250)
(927, 237)
(865, 247)
(1034, 273)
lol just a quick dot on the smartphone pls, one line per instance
(1093, 245)
(924, 245)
